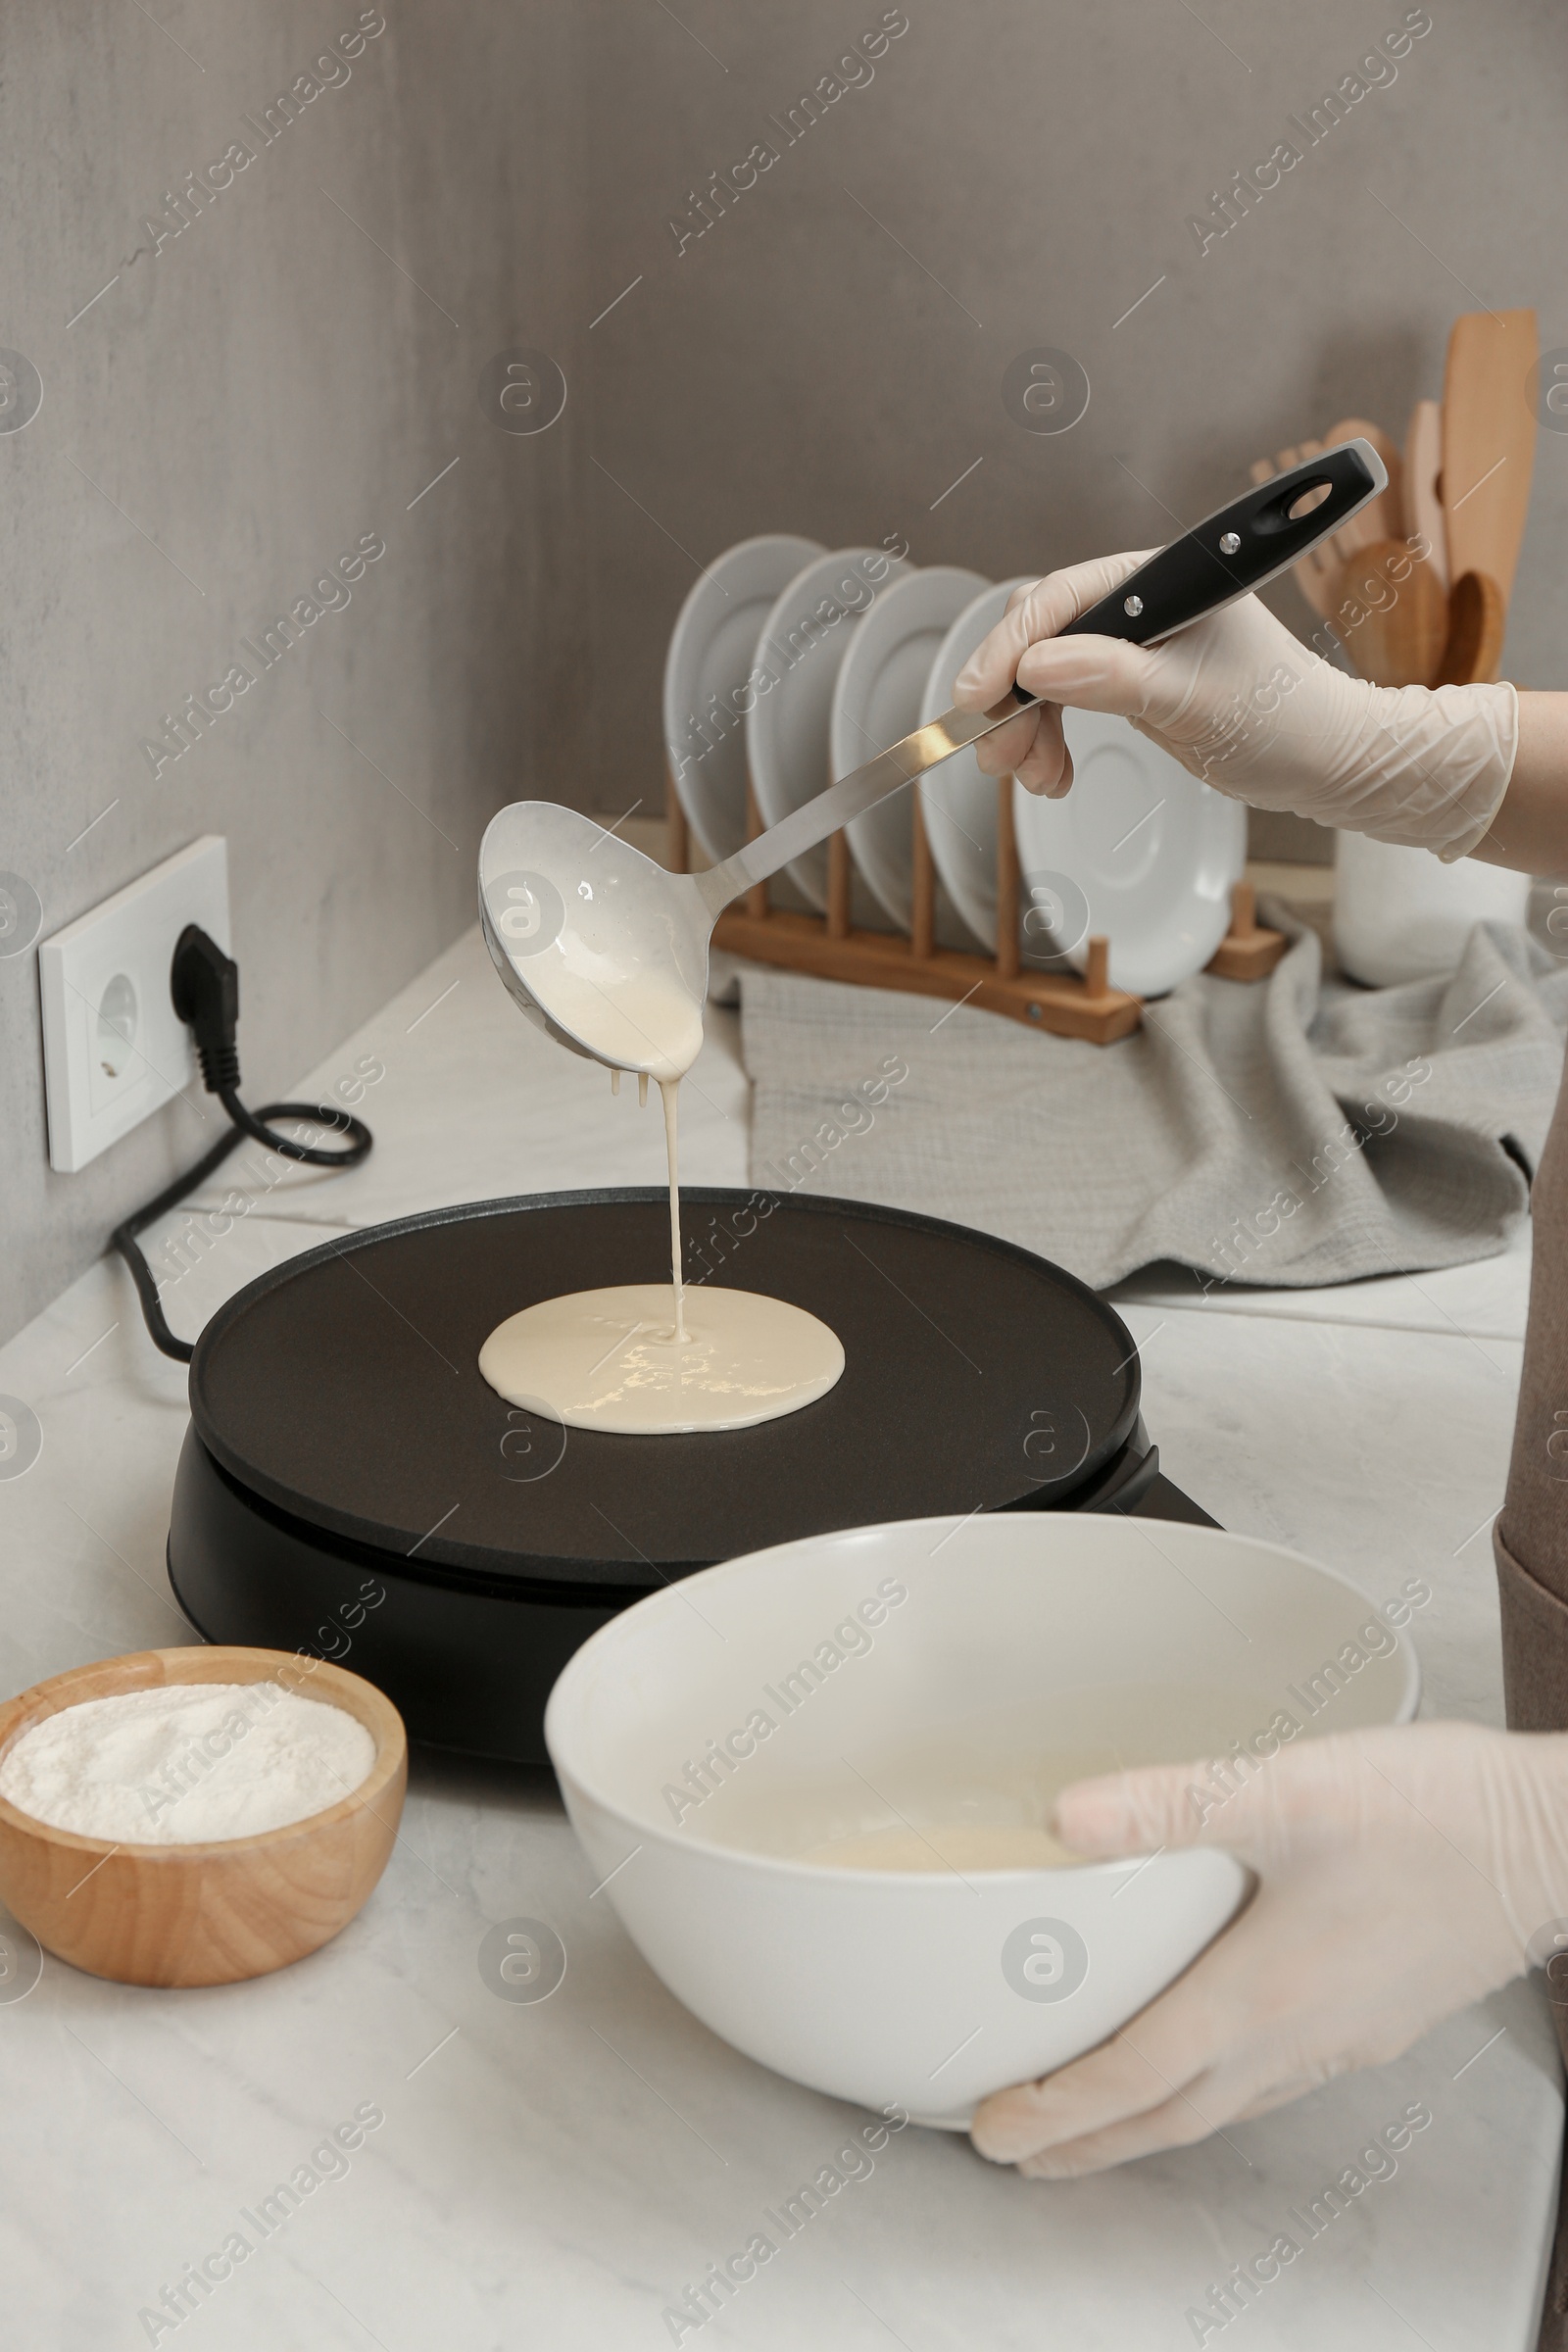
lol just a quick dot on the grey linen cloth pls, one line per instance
(1294, 1131)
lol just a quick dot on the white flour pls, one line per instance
(185, 1763)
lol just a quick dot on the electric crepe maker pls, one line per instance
(352, 1488)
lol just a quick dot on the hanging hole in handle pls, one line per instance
(1306, 500)
(1287, 507)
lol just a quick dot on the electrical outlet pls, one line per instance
(113, 1048)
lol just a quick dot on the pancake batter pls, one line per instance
(639, 1358)
(960, 1846)
(610, 1359)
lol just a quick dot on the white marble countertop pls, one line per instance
(556, 2174)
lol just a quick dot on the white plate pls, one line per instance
(877, 700)
(1153, 853)
(803, 640)
(706, 668)
(959, 801)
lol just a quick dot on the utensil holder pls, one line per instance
(1067, 1004)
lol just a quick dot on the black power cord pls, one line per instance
(204, 984)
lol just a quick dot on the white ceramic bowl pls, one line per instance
(1025, 1650)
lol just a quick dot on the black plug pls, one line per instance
(204, 984)
(204, 989)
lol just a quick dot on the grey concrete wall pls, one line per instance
(1031, 166)
(242, 403)
(828, 356)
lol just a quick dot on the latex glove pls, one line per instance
(1402, 1873)
(1246, 707)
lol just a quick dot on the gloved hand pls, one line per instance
(1403, 1873)
(1247, 707)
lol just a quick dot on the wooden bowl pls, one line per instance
(203, 1914)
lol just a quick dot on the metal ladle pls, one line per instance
(608, 952)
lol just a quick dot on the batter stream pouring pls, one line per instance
(650, 1360)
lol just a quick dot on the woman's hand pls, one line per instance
(1402, 1874)
(1246, 707)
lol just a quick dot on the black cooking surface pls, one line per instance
(344, 1387)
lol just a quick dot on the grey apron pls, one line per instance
(1530, 1542)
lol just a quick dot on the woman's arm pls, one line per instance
(1530, 831)
(1247, 707)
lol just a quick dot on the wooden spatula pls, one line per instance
(1423, 472)
(1489, 441)
(1391, 616)
(1477, 616)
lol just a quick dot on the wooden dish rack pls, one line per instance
(1067, 1003)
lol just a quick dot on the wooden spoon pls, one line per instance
(1477, 616)
(1489, 441)
(1391, 616)
(1423, 473)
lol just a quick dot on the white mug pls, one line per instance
(1403, 914)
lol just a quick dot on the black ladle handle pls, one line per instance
(1236, 550)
